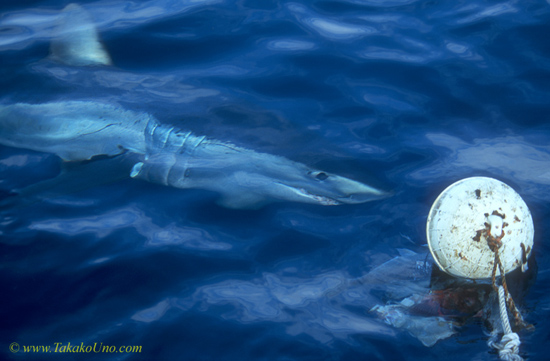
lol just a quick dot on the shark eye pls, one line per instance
(321, 176)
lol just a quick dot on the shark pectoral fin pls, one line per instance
(136, 169)
(241, 201)
(74, 177)
(76, 40)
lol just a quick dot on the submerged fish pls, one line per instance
(245, 178)
(82, 130)
(73, 130)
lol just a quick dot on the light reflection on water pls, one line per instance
(410, 95)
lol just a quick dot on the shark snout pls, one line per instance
(352, 192)
(331, 190)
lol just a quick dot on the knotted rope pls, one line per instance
(508, 347)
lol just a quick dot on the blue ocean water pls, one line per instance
(406, 95)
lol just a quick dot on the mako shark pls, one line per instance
(81, 130)
(78, 131)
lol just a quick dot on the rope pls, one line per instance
(509, 300)
(503, 311)
(509, 344)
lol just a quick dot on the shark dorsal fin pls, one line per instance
(76, 40)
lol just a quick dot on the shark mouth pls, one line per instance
(320, 199)
(326, 201)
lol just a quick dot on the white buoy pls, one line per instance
(466, 214)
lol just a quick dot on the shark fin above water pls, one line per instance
(76, 40)
(82, 130)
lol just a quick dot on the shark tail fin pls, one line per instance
(76, 41)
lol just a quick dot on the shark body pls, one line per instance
(73, 130)
(245, 178)
(81, 130)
